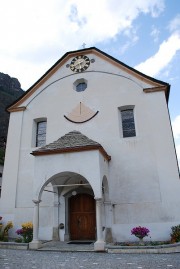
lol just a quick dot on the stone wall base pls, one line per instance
(14, 245)
(163, 249)
(99, 246)
(108, 235)
(35, 244)
(55, 234)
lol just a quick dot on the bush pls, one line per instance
(175, 235)
(4, 230)
(140, 232)
(18, 240)
(26, 232)
(5, 239)
(2, 154)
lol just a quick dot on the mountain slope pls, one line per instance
(10, 90)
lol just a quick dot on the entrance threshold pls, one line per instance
(64, 246)
(81, 242)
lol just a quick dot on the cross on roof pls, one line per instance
(84, 45)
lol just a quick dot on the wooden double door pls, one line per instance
(82, 217)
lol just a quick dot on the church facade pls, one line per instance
(90, 154)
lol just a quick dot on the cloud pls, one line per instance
(167, 50)
(155, 33)
(174, 24)
(156, 63)
(30, 27)
(131, 34)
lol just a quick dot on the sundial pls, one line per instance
(81, 113)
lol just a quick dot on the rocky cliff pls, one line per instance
(10, 90)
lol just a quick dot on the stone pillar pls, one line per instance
(108, 222)
(35, 244)
(99, 245)
(55, 236)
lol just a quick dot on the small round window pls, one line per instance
(81, 87)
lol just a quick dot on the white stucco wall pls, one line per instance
(142, 175)
(85, 163)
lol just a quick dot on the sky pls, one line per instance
(144, 34)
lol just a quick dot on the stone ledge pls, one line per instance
(14, 245)
(163, 249)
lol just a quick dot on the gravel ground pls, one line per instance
(17, 259)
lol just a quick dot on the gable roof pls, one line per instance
(157, 85)
(71, 142)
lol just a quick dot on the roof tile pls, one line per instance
(72, 141)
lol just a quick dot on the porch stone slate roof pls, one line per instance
(71, 142)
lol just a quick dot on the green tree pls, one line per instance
(2, 154)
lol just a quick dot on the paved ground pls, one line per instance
(19, 259)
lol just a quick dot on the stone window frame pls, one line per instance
(123, 130)
(78, 82)
(35, 141)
